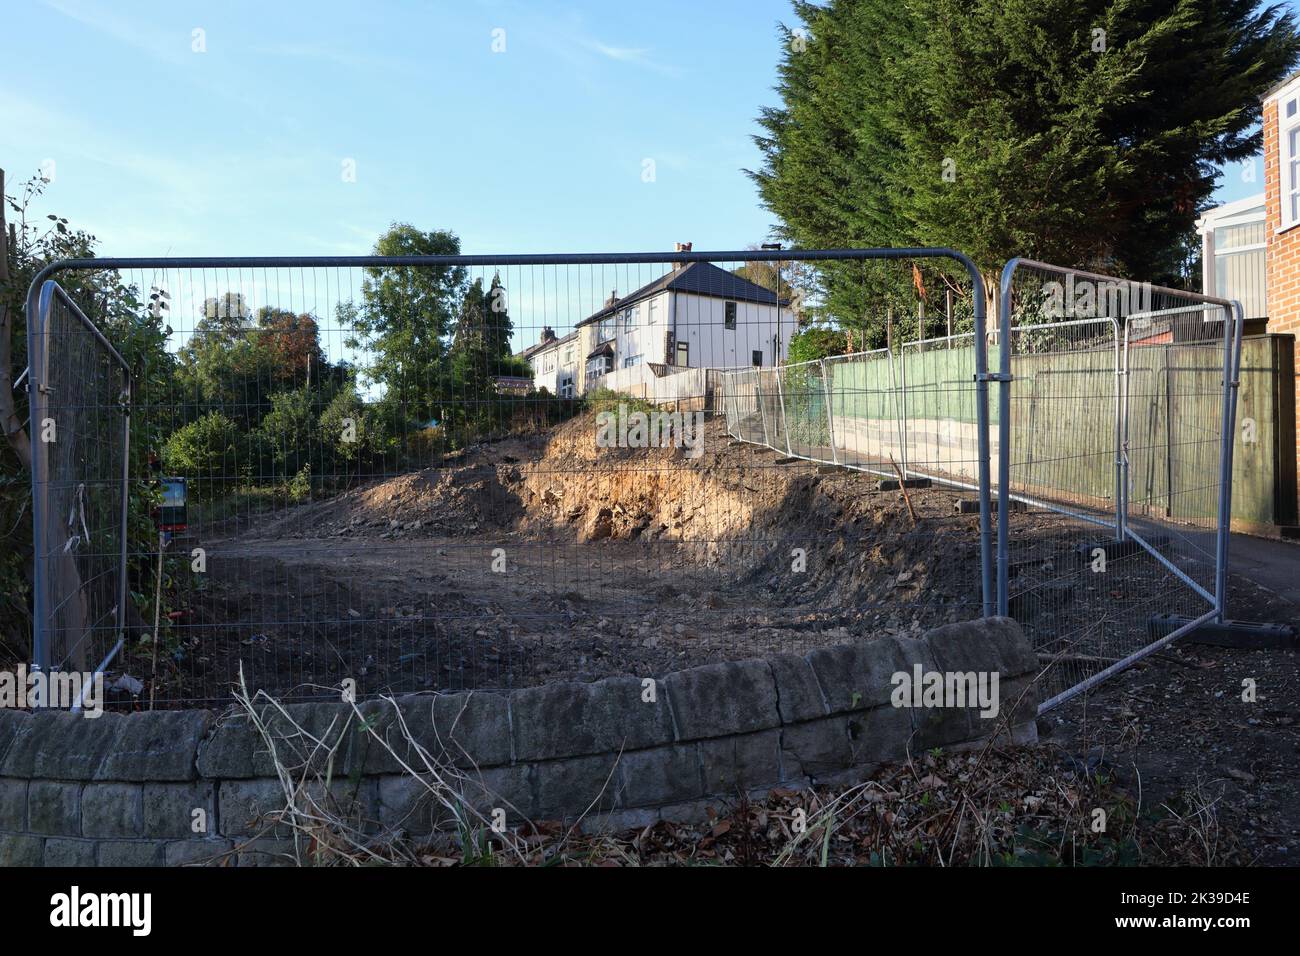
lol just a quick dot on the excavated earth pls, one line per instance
(550, 558)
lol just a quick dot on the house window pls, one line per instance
(548, 364)
(605, 330)
(1288, 127)
(729, 316)
(630, 317)
(568, 356)
(631, 360)
(758, 357)
(683, 353)
(653, 307)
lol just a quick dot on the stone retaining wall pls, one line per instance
(134, 789)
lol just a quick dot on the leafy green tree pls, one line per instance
(288, 431)
(480, 354)
(817, 342)
(405, 318)
(348, 431)
(222, 366)
(1085, 132)
(291, 343)
(206, 452)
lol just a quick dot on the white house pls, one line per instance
(695, 316)
(555, 363)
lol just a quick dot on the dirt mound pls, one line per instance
(729, 506)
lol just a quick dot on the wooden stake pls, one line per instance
(157, 608)
(902, 484)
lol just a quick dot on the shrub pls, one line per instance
(206, 452)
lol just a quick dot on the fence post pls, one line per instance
(902, 400)
(37, 305)
(762, 409)
(780, 398)
(1121, 433)
(126, 503)
(830, 412)
(1231, 377)
(982, 424)
(1004, 437)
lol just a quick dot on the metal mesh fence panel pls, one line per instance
(81, 395)
(939, 413)
(1111, 456)
(866, 400)
(440, 473)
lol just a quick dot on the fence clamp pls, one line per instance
(993, 376)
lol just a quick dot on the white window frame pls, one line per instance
(1288, 160)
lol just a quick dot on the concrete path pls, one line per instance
(1270, 563)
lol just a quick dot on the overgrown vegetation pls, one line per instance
(138, 332)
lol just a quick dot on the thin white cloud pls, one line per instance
(636, 56)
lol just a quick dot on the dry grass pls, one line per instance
(997, 807)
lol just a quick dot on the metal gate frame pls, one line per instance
(1232, 334)
(41, 300)
(51, 271)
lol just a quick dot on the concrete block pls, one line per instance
(252, 808)
(169, 809)
(799, 696)
(734, 697)
(54, 809)
(61, 852)
(815, 747)
(661, 775)
(566, 788)
(20, 849)
(199, 853)
(112, 810)
(131, 853)
(564, 720)
(156, 745)
(13, 805)
(735, 764)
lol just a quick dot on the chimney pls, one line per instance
(548, 335)
(682, 247)
(612, 300)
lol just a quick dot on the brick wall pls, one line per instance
(127, 789)
(1283, 250)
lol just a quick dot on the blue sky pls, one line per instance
(160, 150)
